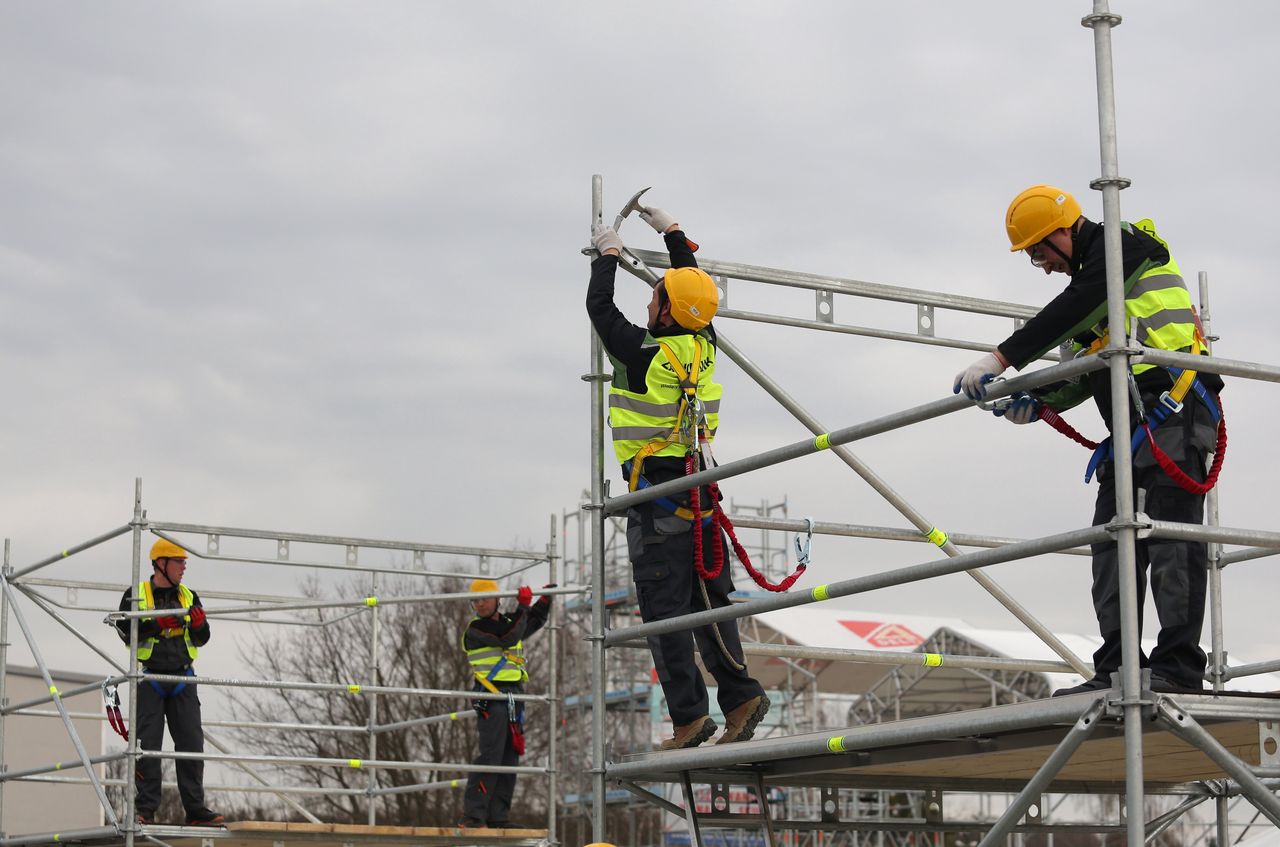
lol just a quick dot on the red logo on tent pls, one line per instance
(879, 634)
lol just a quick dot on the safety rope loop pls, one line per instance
(1185, 482)
(1055, 420)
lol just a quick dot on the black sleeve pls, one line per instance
(499, 633)
(680, 249)
(147, 627)
(620, 337)
(1060, 319)
(538, 613)
(199, 634)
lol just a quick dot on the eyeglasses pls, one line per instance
(1036, 253)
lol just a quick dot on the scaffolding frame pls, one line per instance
(1129, 703)
(20, 581)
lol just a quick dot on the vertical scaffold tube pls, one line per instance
(130, 787)
(6, 572)
(371, 780)
(597, 556)
(1101, 22)
(553, 691)
(1218, 660)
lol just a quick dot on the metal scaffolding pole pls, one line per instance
(1101, 22)
(133, 747)
(371, 780)
(553, 689)
(594, 378)
(5, 573)
(57, 699)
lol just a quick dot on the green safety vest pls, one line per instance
(147, 602)
(508, 660)
(1157, 308)
(640, 419)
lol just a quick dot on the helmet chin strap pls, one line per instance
(165, 570)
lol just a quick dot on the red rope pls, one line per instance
(1055, 420)
(721, 521)
(1179, 476)
(1167, 464)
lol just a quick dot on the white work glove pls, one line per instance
(973, 379)
(659, 219)
(1024, 409)
(605, 238)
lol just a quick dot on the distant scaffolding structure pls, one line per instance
(1128, 742)
(359, 744)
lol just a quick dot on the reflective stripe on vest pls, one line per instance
(1157, 305)
(147, 602)
(638, 419)
(509, 661)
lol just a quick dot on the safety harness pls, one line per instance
(691, 431)
(1185, 381)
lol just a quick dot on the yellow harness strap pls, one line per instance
(1182, 384)
(689, 388)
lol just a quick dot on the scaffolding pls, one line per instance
(1198, 746)
(273, 610)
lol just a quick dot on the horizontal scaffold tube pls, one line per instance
(859, 585)
(290, 727)
(69, 836)
(348, 604)
(886, 533)
(975, 722)
(890, 657)
(446, 717)
(339, 688)
(1210, 364)
(70, 692)
(346, 541)
(937, 408)
(838, 285)
(356, 763)
(1220, 534)
(60, 766)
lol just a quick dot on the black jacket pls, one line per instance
(624, 341)
(1083, 294)
(506, 629)
(170, 654)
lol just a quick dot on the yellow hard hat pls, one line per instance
(600, 844)
(479, 585)
(163, 549)
(1036, 212)
(693, 295)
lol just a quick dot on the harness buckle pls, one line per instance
(1174, 406)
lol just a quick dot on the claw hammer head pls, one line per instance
(633, 205)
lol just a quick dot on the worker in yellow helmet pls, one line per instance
(1180, 410)
(168, 644)
(664, 410)
(494, 644)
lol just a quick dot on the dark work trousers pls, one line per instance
(1179, 569)
(182, 712)
(488, 795)
(667, 586)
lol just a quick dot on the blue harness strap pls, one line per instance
(1161, 412)
(176, 690)
(665, 503)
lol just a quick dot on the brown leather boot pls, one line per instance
(740, 723)
(690, 735)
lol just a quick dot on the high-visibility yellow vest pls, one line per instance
(638, 419)
(508, 660)
(1157, 305)
(147, 602)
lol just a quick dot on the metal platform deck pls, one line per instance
(260, 833)
(993, 749)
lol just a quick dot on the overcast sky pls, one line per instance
(315, 266)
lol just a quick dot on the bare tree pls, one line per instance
(420, 647)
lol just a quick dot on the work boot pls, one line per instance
(1094, 684)
(740, 723)
(144, 817)
(205, 817)
(472, 823)
(690, 735)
